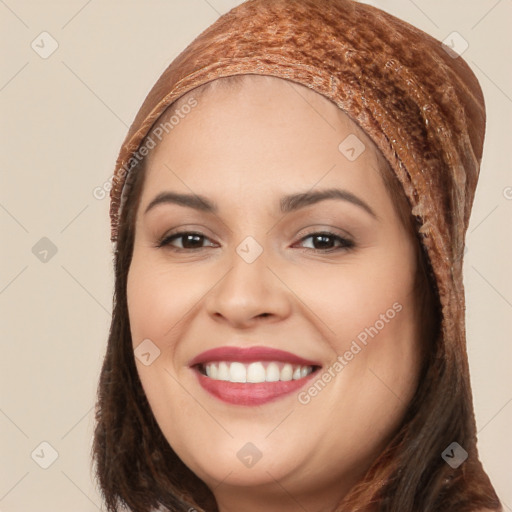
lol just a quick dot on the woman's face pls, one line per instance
(306, 294)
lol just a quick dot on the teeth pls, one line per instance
(256, 372)
(273, 373)
(223, 373)
(287, 372)
(237, 372)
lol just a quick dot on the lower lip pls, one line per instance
(240, 393)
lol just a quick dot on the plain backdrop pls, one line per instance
(64, 116)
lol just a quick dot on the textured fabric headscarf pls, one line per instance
(419, 102)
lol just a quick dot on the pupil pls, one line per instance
(187, 239)
(322, 238)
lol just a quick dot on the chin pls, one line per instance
(241, 463)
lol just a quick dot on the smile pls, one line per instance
(251, 376)
(260, 371)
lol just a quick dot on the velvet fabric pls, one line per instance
(420, 104)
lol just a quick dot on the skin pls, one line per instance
(244, 148)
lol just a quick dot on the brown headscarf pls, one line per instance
(420, 104)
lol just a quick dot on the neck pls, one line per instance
(278, 497)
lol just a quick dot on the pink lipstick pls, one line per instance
(251, 376)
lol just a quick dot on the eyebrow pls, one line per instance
(288, 203)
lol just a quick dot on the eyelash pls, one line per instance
(347, 245)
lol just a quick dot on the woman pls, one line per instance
(289, 210)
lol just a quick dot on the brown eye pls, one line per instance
(189, 240)
(323, 241)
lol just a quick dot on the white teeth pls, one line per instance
(237, 372)
(273, 372)
(223, 373)
(287, 372)
(256, 372)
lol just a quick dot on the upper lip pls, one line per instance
(250, 354)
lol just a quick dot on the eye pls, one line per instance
(323, 242)
(190, 240)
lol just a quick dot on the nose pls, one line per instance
(249, 293)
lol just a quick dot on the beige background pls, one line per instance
(63, 120)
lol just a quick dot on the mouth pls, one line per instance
(254, 373)
(251, 376)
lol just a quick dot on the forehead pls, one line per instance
(259, 103)
(258, 131)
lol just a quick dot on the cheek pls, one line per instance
(372, 325)
(159, 298)
(355, 299)
(157, 301)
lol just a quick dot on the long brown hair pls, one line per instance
(136, 466)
